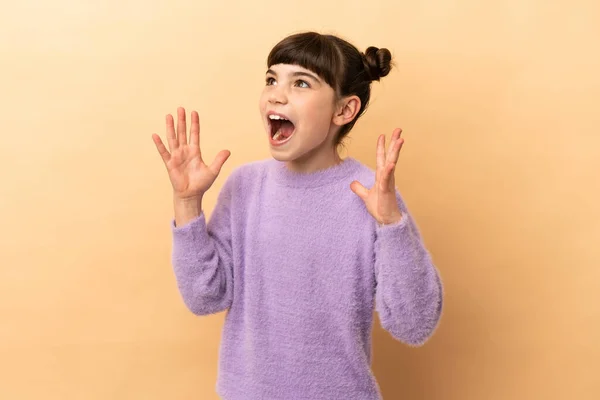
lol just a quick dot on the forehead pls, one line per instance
(289, 68)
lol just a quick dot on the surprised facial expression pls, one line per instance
(297, 107)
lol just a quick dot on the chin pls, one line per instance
(281, 157)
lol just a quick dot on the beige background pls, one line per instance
(499, 102)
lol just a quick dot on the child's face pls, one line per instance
(307, 102)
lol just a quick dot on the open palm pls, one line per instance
(189, 175)
(381, 200)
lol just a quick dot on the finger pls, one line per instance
(395, 151)
(387, 178)
(380, 156)
(171, 139)
(395, 137)
(162, 150)
(195, 130)
(359, 190)
(219, 160)
(381, 151)
(387, 181)
(181, 128)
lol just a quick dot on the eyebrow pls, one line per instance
(297, 73)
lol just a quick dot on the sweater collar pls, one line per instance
(322, 177)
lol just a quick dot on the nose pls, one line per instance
(277, 95)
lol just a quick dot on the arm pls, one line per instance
(408, 287)
(202, 255)
(409, 293)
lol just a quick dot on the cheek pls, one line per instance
(262, 101)
(323, 113)
(318, 111)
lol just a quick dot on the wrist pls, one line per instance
(391, 219)
(187, 201)
(187, 209)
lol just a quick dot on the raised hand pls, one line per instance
(381, 199)
(189, 175)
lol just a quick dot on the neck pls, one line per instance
(322, 157)
(314, 162)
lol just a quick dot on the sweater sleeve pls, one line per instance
(202, 258)
(409, 292)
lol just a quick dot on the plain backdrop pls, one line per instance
(499, 102)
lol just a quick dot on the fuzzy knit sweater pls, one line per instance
(300, 266)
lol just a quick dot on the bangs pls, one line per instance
(311, 51)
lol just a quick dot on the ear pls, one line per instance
(346, 110)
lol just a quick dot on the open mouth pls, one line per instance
(281, 128)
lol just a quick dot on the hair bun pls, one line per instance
(377, 62)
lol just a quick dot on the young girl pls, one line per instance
(301, 248)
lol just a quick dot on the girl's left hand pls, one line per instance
(381, 199)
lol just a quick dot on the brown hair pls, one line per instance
(338, 62)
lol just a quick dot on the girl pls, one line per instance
(298, 250)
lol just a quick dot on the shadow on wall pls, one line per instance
(445, 366)
(462, 360)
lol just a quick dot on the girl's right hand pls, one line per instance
(189, 175)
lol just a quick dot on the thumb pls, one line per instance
(359, 189)
(219, 160)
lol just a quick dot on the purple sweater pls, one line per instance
(300, 266)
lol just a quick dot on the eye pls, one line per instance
(301, 82)
(270, 81)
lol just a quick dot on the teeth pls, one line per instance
(276, 117)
